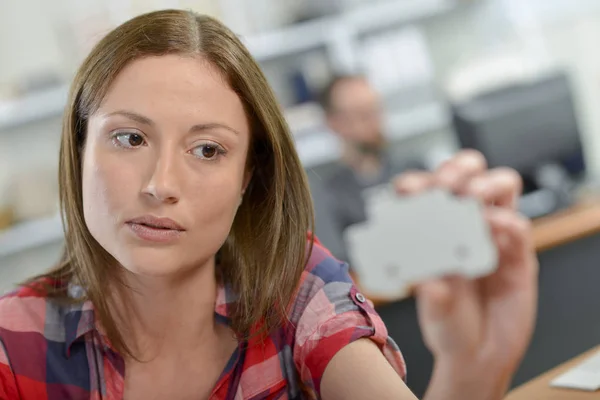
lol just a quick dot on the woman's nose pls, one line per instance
(163, 185)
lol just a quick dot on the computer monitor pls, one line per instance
(531, 127)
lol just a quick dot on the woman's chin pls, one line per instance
(152, 270)
(151, 263)
(158, 264)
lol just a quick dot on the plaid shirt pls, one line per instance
(51, 351)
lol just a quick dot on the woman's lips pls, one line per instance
(157, 222)
(154, 234)
(155, 229)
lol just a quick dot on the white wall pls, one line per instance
(27, 40)
(576, 46)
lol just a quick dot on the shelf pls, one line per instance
(34, 107)
(304, 118)
(319, 146)
(384, 14)
(363, 19)
(294, 39)
(30, 234)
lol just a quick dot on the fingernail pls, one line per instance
(409, 184)
(447, 177)
(478, 187)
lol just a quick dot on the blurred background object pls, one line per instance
(6, 204)
(518, 80)
(530, 125)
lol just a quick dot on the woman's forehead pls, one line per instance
(175, 86)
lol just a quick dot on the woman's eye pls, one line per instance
(129, 139)
(208, 151)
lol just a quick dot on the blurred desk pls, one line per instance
(568, 225)
(539, 388)
(568, 322)
(554, 230)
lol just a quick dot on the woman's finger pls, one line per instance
(500, 187)
(435, 297)
(413, 182)
(455, 173)
(511, 292)
(449, 312)
(512, 234)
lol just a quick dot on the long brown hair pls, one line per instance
(265, 252)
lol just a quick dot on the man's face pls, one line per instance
(355, 113)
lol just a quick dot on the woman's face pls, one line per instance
(164, 165)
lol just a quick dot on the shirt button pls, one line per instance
(360, 298)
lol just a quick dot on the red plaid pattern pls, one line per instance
(50, 351)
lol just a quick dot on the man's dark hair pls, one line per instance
(325, 95)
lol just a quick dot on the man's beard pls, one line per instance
(370, 149)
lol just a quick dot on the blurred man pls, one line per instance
(353, 112)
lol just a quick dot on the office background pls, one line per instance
(437, 64)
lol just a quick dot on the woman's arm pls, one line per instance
(360, 371)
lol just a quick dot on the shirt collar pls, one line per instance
(80, 318)
(225, 298)
(79, 321)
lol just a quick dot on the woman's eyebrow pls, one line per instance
(147, 121)
(133, 116)
(212, 125)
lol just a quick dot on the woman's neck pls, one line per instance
(169, 314)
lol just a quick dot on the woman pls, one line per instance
(188, 273)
